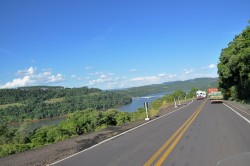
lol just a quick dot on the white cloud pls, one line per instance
(172, 75)
(31, 78)
(139, 81)
(100, 78)
(73, 76)
(99, 81)
(211, 66)
(54, 78)
(165, 76)
(17, 82)
(133, 70)
(96, 73)
(103, 76)
(162, 74)
(187, 71)
(89, 67)
(108, 81)
(29, 71)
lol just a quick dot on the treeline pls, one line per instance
(169, 87)
(234, 68)
(41, 93)
(13, 140)
(36, 105)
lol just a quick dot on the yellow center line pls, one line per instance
(171, 147)
(238, 108)
(180, 131)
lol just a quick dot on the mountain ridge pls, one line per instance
(167, 87)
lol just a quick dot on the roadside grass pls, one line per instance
(3, 106)
(154, 111)
(54, 100)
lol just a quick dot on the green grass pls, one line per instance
(54, 100)
(9, 105)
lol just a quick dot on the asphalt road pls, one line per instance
(200, 134)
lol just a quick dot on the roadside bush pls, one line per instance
(122, 118)
(8, 149)
(39, 137)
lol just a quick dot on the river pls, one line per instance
(132, 107)
(139, 102)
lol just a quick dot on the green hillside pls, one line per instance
(169, 87)
(28, 103)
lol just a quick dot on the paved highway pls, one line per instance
(200, 134)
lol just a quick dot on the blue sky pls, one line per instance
(111, 44)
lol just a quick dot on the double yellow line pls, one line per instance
(173, 140)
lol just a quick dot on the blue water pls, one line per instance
(139, 102)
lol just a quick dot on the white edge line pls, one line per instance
(238, 108)
(237, 155)
(109, 139)
(238, 113)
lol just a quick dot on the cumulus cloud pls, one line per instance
(100, 78)
(111, 81)
(29, 71)
(31, 78)
(160, 78)
(17, 82)
(54, 78)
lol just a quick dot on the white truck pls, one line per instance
(200, 94)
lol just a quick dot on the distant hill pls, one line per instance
(168, 87)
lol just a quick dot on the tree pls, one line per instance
(234, 68)
(192, 92)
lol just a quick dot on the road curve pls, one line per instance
(198, 134)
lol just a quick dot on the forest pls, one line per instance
(27, 103)
(14, 140)
(234, 68)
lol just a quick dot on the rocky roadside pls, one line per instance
(54, 152)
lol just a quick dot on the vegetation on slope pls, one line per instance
(47, 102)
(13, 140)
(234, 68)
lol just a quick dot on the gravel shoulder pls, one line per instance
(54, 152)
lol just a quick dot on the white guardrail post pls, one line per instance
(175, 103)
(146, 107)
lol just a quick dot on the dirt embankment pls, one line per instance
(52, 153)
